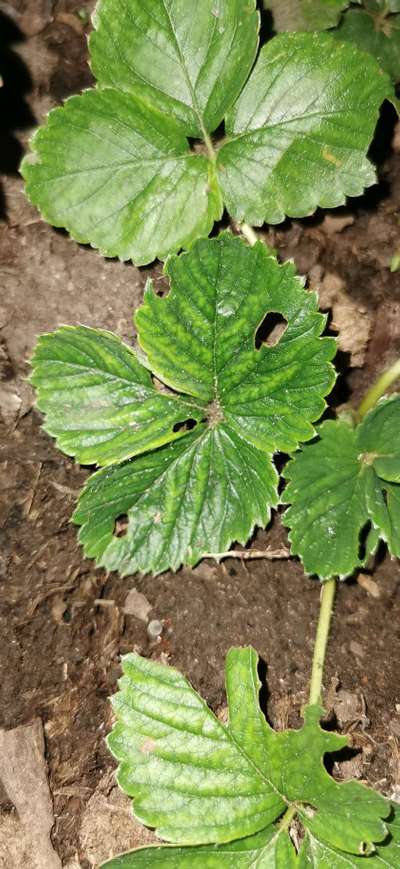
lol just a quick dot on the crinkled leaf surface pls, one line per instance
(300, 129)
(270, 849)
(305, 14)
(196, 780)
(100, 403)
(340, 484)
(375, 34)
(214, 484)
(114, 165)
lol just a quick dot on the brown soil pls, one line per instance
(62, 622)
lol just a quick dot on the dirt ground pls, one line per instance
(65, 624)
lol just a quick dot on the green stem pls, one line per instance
(288, 817)
(378, 389)
(209, 144)
(321, 640)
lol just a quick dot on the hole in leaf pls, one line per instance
(187, 425)
(121, 525)
(270, 331)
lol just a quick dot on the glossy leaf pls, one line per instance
(305, 14)
(217, 482)
(341, 484)
(301, 129)
(196, 780)
(114, 165)
(188, 60)
(378, 35)
(120, 175)
(100, 403)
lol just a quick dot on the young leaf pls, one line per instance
(300, 129)
(375, 33)
(216, 482)
(196, 780)
(305, 14)
(114, 165)
(339, 485)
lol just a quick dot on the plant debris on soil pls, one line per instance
(64, 623)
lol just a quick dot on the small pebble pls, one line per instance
(154, 629)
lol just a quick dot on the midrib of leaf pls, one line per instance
(195, 105)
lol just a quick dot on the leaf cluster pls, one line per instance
(229, 795)
(344, 489)
(372, 25)
(131, 167)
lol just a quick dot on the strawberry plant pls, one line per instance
(184, 429)
(372, 25)
(264, 798)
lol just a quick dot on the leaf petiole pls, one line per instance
(378, 389)
(321, 640)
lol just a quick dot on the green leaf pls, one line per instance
(270, 849)
(305, 14)
(217, 482)
(120, 175)
(340, 484)
(190, 60)
(301, 129)
(100, 402)
(114, 165)
(196, 780)
(182, 501)
(378, 35)
(318, 855)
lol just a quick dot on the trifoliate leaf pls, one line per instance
(196, 780)
(114, 165)
(188, 59)
(217, 482)
(300, 129)
(339, 485)
(305, 14)
(120, 175)
(100, 403)
(375, 33)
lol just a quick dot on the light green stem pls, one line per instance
(248, 233)
(288, 817)
(378, 389)
(321, 640)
